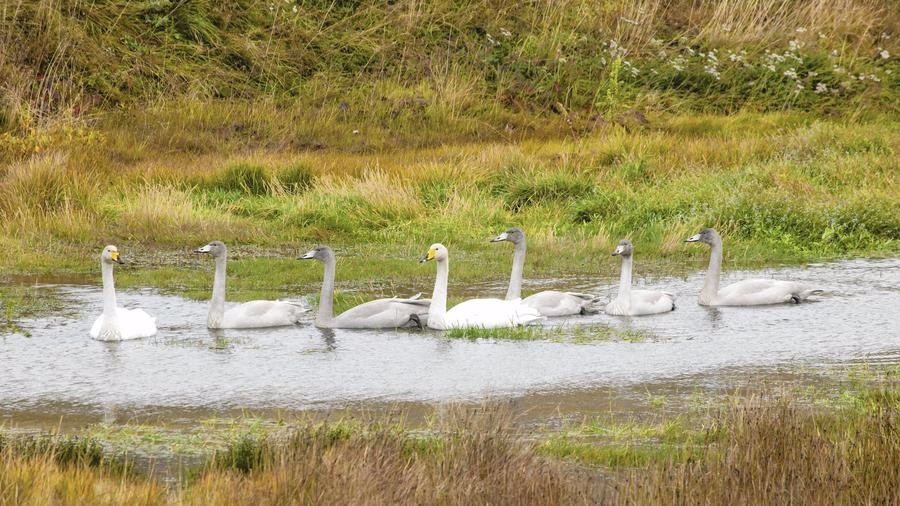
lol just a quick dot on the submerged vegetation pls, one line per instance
(569, 333)
(757, 449)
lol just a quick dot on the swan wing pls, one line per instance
(753, 292)
(644, 302)
(383, 314)
(491, 313)
(263, 313)
(553, 303)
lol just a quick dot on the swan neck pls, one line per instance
(326, 297)
(518, 266)
(711, 284)
(217, 301)
(625, 280)
(109, 290)
(438, 307)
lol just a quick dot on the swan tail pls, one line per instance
(418, 321)
(804, 294)
(300, 304)
(589, 297)
(592, 303)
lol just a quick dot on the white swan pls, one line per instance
(116, 323)
(249, 315)
(478, 313)
(376, 314)
(749, 292)
(636, 302)
(548, 302)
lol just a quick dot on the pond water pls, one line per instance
(61, 371)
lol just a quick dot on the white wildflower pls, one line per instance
(795, 44)
(884, 54)
(834, 52)
(821, 88)
(506, 33)
(790, 73)
(770, 67)
(294, 9)
(874, 78)
(713, 71)
(799, 85)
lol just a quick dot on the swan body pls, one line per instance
(389, 313)
(116, 323)
(473, 313)
(757, 292)
(630, 302)
(549, 302)
(253, 314)
(259, 314)
(749, 292)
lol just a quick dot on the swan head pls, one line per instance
(215, 249)
(437, 252)
(320, 253)
(514, 235)
(624, 249)
(706, 236)
(110, 255)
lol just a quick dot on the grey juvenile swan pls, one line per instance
(376, 314)
(253, 314)
(636, 302)
(549, 302)
(749, 292)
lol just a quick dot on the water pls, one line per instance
(60, 371)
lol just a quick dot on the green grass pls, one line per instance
(613, 443)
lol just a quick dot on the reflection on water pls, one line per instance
(188, 367)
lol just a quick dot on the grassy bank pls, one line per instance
(780, 187)
(274, 127)
(409, 74)
(757, 449)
